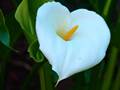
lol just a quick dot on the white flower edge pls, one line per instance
(86, 49)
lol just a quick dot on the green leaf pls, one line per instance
(4, 34)
(23, 16)
(26, 14)
(35, 53)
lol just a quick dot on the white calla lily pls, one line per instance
(72, 42)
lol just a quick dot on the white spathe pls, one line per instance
(86, 48)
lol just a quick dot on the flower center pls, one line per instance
(68, 35)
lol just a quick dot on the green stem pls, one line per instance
(116, 85)
(42, 78)
(106, 8)
(110, 70)
(46, 77)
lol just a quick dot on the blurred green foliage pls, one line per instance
(105, 76)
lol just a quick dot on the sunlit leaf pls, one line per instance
(26, 14)
(23, 16)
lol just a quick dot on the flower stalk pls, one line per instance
(45, 77)
(106, 8)
(42, 79)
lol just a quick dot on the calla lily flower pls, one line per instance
(71, 41)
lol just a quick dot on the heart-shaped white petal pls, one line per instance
(87, 46)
